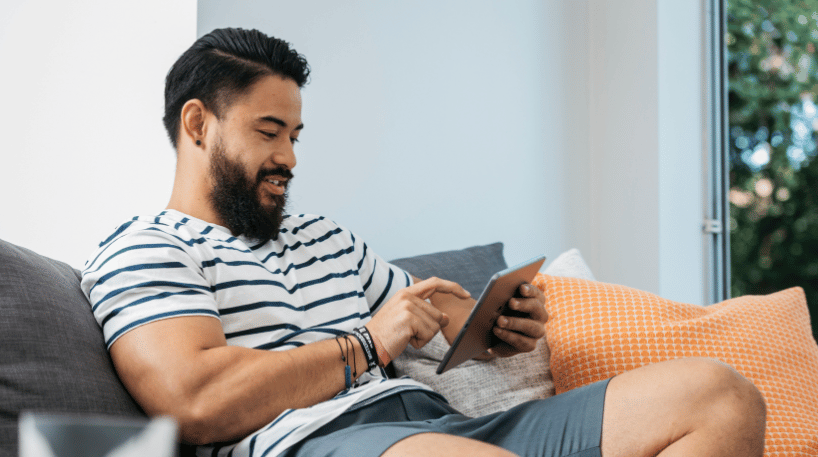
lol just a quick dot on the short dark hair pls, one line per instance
(222, 65)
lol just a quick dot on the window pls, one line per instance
(772, 118)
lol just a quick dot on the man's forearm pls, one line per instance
(244, 389)
(224, 393)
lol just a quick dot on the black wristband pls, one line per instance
(362, 335)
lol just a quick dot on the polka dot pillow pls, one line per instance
(598, 330)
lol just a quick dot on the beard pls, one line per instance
(236, 199)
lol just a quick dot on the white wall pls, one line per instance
(683, 151)
(624, 165)
(429, 125)
(646, 104)
(83, 147)
(544, 124)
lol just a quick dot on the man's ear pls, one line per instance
(193, 125)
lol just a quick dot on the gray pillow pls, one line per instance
(471, 267)
(52, 354)
(477, 388)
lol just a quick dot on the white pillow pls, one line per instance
(476, 388)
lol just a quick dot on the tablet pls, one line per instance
(476, 336)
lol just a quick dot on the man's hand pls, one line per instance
(407, 318)
(520, 334)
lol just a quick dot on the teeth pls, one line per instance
(274, 181)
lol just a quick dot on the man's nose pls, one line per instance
(285, 156)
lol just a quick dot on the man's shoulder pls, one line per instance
(309, 226)
(301, 221)
(166, 230)
(168, 224)
(314, 236)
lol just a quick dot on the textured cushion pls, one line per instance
(598, 330)
(477, 388)
(52, 356)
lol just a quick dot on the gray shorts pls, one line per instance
(569, 424)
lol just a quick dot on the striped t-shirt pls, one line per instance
(314, 282)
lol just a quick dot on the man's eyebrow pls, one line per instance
(280, 122)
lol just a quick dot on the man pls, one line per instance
(266, 334)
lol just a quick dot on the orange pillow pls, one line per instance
(598, 330)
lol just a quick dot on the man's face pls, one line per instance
(252, 158)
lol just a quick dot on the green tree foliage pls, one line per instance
(773, 173)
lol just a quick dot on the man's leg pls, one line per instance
(683, 407)
(680, 407)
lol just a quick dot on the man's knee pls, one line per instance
(727, 394)
(722, 384)
(695, 403)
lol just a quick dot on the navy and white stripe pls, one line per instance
(315, 281)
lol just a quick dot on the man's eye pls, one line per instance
(268, 134)
(294, 140)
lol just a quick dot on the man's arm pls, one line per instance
(182, 366)
(519, 334)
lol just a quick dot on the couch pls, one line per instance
(53, 359)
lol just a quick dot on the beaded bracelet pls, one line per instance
(349, 373)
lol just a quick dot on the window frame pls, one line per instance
(717, 207)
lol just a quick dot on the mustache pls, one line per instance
(282, 172)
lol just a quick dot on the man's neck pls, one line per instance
(191, 190)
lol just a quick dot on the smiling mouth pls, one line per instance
(275, 185)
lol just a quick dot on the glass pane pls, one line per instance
(772, 82)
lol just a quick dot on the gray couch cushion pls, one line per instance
(471, 267)
(52, 354)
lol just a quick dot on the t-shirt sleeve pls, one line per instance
(141, 277)
(381, 280)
